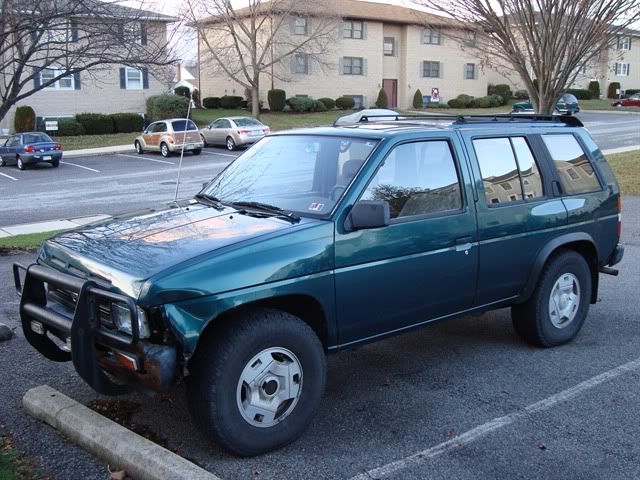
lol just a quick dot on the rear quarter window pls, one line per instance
(573, 166)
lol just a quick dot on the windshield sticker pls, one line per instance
(316, 207)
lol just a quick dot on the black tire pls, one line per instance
(197, 151)
(55, 163)
(164, 150)
(214, 384)
(230, 144)
(204, 141)
(532, 319)
(139, 149)
(3, 162)
(20, 164)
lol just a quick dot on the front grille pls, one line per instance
(69, 299)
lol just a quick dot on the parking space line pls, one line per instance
(9, 176)
(222, 154)
(145, 158)
(80, 166)
(497, 423)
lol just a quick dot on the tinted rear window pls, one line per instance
(182, 125)
(35, 138)
(575, 171)
(247, 122)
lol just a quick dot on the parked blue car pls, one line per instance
(28, 148)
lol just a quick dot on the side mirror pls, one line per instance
(369, 214)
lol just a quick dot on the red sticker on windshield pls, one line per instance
(316, 207)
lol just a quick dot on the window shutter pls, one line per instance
(36, 77)
(74, 31)
(292, 63)
(34, 36)
(340, 67)
(364, 67)
(628, 69)
(145, 78)
(464, 71)
(364, 30)
(76, 80)
(475, 72)
(123, 78)
(308, 27)
(396, 48)
(422, 69)
(309, 62)
(120, 32)
(441, 70)
(422, 34)
(630, 39)
(365, 101)
(292, 25)
(143, 34)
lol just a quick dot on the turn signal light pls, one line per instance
(29, 149)
(244, 132)
(57, 146)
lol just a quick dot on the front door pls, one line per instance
(423, 265)
(390, 87)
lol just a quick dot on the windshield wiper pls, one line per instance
(270, 209)
(209, 200)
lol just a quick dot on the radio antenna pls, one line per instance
(184, 137)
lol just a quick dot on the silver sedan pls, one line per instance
(233, 132)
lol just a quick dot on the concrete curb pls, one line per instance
(625, 112)
(139, 457)
(50, 226)
(630, 148)
(86, 152)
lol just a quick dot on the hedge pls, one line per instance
(230, 101)
(166, 106)
(631, 91)
(580, 93)
(69, 127)
(182, 91)
(330, 103)
(211, 102)
(382, 101)
(96, 123)
(594, 88)
(521, 95)
(611, 92)
(127, 122)
(504, 91)
(277, 100)
(301, 104)
(467, 101)
(24, 119)
(345, 103)
(418, 102)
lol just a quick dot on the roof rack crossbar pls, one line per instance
(568, 120)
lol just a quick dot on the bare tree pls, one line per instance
(65, 37)
(261, 38)
(543, 40)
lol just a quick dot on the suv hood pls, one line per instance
(126, 250)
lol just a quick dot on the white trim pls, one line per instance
(56, 85)
(126, 78)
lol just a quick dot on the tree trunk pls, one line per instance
(255, 100)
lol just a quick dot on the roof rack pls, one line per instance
(568, 120)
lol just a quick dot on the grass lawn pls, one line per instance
(30, 241)
(94, 141)
(13, 465)
(626, 166)
(275, 120)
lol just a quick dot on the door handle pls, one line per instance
(463, 244)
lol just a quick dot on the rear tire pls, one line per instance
(231, 144)
(261, 356)
(55, 163)
(197, 151)
(204, 141)
(559, 305)
(164, 150)
(139, 149)
(21, 165)
(3, 162)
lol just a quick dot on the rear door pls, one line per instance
(518, 210)
(8, 152)
(423, 265)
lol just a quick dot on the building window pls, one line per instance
(352, 65)
(470, 38)
(64, 83)
(389, 46)
(469, 71)
(301, 63)
(133, 32)
(431, 69)
(57, 35)
(300, 26)
(431, 36)
(358, 101)
(624, 43)
(622, 69)
(353, 29)
(582, 69)
(133, 78)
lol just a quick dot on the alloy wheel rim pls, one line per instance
(564, 300)
(165, 150)
(269, 387)
(230, 144)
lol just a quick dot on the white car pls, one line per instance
(356, 117)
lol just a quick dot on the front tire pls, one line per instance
(231, 144)
(139, 149)
(55, 163)
(164, 150)
(257, 383)
(559, 305)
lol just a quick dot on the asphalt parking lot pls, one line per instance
(464, 399)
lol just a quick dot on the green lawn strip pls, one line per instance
(275, 120)
(13, 465)
(28, 242)
(626, 166)
(95, 141)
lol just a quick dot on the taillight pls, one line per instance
(619, 216)
(267, 130)
(244, 132)
(29, 149)
(57, 146)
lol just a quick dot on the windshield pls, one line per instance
(35, 138)
(569, 98)
(247, 122)
(182, 125)
(299, 173)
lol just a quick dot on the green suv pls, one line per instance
(316, 240)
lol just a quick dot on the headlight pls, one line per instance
(122, 320)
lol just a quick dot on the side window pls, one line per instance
(417, 179)
(575, 171)
(531, 179)
(499, 170)
(160, 127)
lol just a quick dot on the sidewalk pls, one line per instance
(49, 226)
(85, 152)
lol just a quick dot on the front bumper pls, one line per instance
(108, 360)
(41, 157)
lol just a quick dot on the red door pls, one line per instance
(391, 89)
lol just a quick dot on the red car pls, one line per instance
(632, 101)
